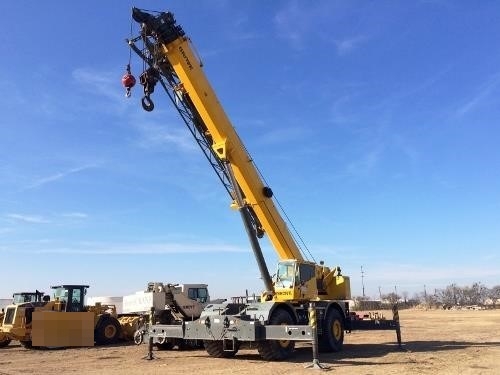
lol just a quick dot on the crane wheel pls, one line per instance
(277, 350)
(107, 331)
(216, 349)
(332, 338)
(5, 343)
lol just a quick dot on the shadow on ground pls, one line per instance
(353, 352)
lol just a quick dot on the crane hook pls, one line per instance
(148, 79)
(128, 81)
(147, 103)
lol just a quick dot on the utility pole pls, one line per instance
(425, 294)
(380, 293)
(363, 280)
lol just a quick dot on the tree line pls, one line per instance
(453, 295)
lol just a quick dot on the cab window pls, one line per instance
(285, 277)
(198, 294)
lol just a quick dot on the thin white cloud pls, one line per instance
(33, 219)
(56, 176)
(292, 133)
(154, 136)
(6, 230)
(139, 248)
(298, 23)
(75, 215)
(482, 94)
(365, 165)
(348, 45)
(291, 24)
(101, 83)
(341, 113)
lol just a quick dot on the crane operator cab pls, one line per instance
(295, 281)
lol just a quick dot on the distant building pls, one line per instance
(117, 301)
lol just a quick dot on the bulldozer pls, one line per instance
(62, 322)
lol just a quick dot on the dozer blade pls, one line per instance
(62, 329)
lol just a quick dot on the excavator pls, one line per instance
(282, 315)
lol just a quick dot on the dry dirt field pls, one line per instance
(435, 342)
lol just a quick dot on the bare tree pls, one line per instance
(454, 295)
(392, 298)
(405, 296)
(448, 297)
(360, 302)
(494, 294)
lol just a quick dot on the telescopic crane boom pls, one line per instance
(179, 61)
(173, 62)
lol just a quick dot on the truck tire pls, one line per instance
(26, 344)
(332, 338)
(5, 343)
(215, 349)
(108, 331)
(277, 350)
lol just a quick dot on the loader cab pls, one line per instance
(26, 297)
(69, 298)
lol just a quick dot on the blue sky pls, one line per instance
(375, 123)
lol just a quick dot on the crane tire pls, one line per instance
(215, 349)
(277, 350)
(332, 337)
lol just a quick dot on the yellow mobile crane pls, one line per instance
(282, 315)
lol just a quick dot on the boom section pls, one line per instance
(173, 52)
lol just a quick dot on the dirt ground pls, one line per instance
(435, 342)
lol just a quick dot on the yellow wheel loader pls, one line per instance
(62, 322)
(17, 298)
(4, 339)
